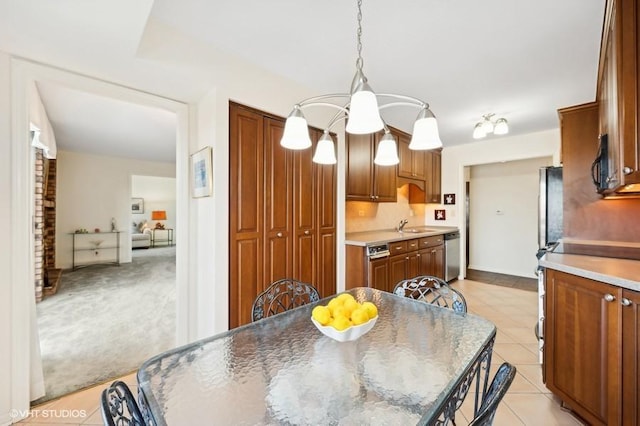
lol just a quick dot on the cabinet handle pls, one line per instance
(433, 251)
(398, 248)
(609, 297)
(418, 255)
(306, 232)
(377, 197)
(625, 302)
(279, 235)
(627, 170)
(406, 258)
(372, 196)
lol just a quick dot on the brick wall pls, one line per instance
(45, 222)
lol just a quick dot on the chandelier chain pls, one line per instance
(359, 61)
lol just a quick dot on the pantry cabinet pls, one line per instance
(591, 347)
(282, 212)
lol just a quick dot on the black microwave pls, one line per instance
(600, 166)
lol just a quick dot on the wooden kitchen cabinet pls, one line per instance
(591, 347)
(618, 93)
(412, 162)
(282, 214)
(365, 180)
(432, 192)
(630, 357)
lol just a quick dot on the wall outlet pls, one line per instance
(361, 213)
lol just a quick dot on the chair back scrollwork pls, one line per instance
(119, 407)
(281, 296)
(432, 290)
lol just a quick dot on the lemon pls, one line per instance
(359, 316)
(341, 323)
(351, 304)
(372, 309)
(340, 311)
(343, 297)
(333, 304)
(321, 314)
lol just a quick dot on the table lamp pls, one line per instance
(159, 215)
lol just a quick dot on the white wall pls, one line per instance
(455, 158)
(5, 243)
(504, 216)
(90, 191)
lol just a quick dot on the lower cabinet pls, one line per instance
(591, 348)
(409, 258)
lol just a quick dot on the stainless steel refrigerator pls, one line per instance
(549, 207)
(549, 232)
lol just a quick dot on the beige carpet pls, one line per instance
(107, 320)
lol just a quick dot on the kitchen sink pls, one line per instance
(417, 230)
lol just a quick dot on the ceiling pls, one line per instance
(519, 60)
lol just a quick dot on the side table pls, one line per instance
(168, 239)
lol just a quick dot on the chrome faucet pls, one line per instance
(401, 225)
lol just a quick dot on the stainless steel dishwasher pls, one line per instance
(451, 256)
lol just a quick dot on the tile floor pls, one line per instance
(514, 312)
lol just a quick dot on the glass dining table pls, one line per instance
(414, 367)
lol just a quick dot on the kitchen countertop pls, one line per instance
(383, 236)
(623, 273)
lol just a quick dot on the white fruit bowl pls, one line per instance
(352, 333)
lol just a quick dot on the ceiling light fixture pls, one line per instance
(486, 126)
(361, 109)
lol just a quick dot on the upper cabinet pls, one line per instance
(432, 184)
(412, 163)
(618, 95)
(367, 181)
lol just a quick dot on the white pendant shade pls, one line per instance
(501, 127)
(487, 126)
(387, 154)
(325, 151)
(478, 132)
(425, 132)
(364, 115)
(296, 131)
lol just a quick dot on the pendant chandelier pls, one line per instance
(361, 108)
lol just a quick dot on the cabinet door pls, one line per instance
(245, 212)
(397, 269)
(326, 223)
(412, 163)
(278, 259)
(359, 168)
(384, 180)
(304, 210)
(379, 274)
(437, 261)
(434, 180)
(582, 350)
(413, 264)
(630, 357)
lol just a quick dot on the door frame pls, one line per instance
(24, 74)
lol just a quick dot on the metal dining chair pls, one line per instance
(498, 388)
(119, 407)
(432, 290)
(281, 296)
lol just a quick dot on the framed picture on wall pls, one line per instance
(202, 173)
(137, 205)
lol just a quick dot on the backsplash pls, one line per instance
(365, 216)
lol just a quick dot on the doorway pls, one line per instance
(22, 287)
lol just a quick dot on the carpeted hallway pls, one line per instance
(106, 320)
